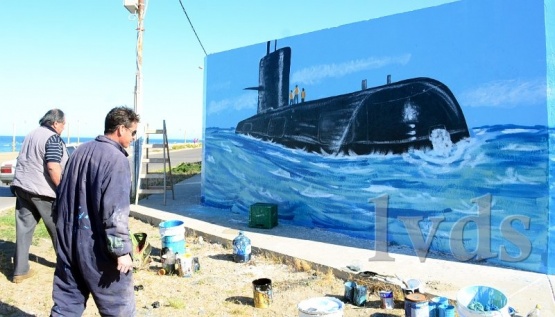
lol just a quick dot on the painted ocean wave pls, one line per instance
(332, 192)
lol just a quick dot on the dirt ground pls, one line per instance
(221, 287)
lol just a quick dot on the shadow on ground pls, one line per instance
(11, 311)
(7, 249)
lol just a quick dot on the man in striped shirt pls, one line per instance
(38, 172)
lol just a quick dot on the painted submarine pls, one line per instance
(393, 118)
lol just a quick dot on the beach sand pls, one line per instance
(6, 156)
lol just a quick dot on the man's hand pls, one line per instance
(125, 263)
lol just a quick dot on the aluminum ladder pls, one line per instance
(155, 181)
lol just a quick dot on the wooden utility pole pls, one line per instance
(137, 147)
(137, 7)
(139, 75)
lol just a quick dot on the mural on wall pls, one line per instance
(413, 123)
(418, 113)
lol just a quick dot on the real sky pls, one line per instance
(81, 56)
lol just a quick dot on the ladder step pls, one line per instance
(150, 191)
(160, 187)
(152, 176)
(154, 146)
(155, 160)
(155, 131)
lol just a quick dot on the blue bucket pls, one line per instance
(482, 301)
(173, 236)
(437, 304)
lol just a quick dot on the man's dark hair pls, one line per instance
(51, 116)
(119, 116)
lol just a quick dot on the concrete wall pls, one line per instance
(429, 130)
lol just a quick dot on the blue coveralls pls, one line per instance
(92, 216)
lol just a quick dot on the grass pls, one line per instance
(179, 173)
(179, 146)
(189, 169)
(7, 234)
(7, 228)
(176, 303)
(301, 265)
(185, 146)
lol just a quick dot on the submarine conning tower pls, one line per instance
(273, 79)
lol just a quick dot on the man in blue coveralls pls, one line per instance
(92, 216)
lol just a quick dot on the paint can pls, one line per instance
(349, 291)
(387, 299)
(185, 265)
(262, 292)
(173, 235)
(416, 305)
(321, 307)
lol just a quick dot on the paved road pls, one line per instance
(176, 157)
(6, 198)
(186, 156)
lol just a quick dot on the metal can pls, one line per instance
(185, 265)
(387, 299)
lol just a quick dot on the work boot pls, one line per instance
(20, 278)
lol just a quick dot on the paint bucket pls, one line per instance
(387, 299)
(436, 304)
(262, 292)
(321, 306)
(416, 305)
(349, 291)
(355, 294)
(446, 311)
(173, 235)
(359, 295)
(493, 302)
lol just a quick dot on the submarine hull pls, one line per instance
(393, 118)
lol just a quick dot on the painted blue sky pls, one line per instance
(491, 54)
(80, 56)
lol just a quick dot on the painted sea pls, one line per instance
(498, 179)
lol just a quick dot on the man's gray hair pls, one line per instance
(53, 115)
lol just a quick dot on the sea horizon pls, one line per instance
(13, 143)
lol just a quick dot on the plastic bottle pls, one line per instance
(534, 312)
(168, 262)
(241, 248)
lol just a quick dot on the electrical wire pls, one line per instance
(192, 27)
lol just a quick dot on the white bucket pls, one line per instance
(321, 306)
(484, 295)
(173, 236)
(172, 228)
